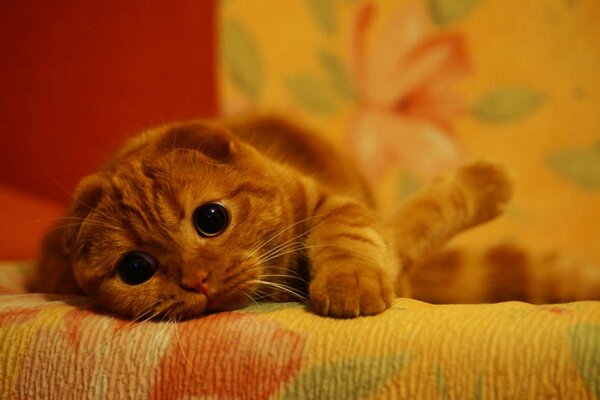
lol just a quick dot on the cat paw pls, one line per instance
(351, 292)
(489, 188)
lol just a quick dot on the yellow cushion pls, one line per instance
(63, 347)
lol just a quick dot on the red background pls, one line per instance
(76, 79)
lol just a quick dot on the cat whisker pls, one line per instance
(299, 235)
(151, 307)
(131, 325)
(96, 220)
(355, 255)
(263, 262)
(283, 269)
(281, 248)
(61, 218)
(175, 306)
(172, 163)
(165, 322)
(263, 296)
(179, 346)
(273, 236)
(283, 251)
(77, 221)
(159, 333)
(275, 268)
(250, 297)
(72, 196)
(299, 246)
(284, 288)
(285, 276)
(33, 221)
(101, 213)
(97, 224)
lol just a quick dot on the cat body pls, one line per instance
(205, 216)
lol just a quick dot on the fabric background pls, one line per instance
(412, 88)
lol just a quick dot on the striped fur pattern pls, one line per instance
(303, 224)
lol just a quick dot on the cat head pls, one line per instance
(178, 224)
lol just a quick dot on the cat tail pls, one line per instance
(503, 272)
(476, 193)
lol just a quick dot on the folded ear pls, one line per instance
(88, 195)
(213, 142)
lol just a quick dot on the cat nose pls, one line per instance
(197, 283)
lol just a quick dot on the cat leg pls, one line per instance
(352, 264)
(475, 194)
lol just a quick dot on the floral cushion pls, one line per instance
(61, 347)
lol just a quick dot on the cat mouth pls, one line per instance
(232, 299)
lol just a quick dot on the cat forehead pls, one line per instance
(164, 178)
(176, 181)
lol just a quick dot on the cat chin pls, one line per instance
(228, 303)
(191, 312)
(188, 309)
(185, 313)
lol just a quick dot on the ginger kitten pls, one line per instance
(205, 216)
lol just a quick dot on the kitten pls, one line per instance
(205, 216)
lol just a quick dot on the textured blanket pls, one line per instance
(54, 347)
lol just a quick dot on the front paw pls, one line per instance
(349, 292)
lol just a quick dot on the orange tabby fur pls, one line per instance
(303, 223)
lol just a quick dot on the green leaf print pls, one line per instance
(311, 94)
(337, 74)
(579, 165)
(409, 184)
(445, 12)
(478, 390)
(241, 58)
(440, 381)
(349, 379)
(324, 14)
(584, 339)
(507, 104)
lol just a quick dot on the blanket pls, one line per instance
(63, 347)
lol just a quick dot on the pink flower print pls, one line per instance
(403, 74)
(229, 356)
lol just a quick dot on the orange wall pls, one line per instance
(78, 77)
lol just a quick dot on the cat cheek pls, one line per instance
(88, 278)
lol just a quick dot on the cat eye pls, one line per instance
(136, 268)
(210, 219)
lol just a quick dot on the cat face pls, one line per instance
(180, 224)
